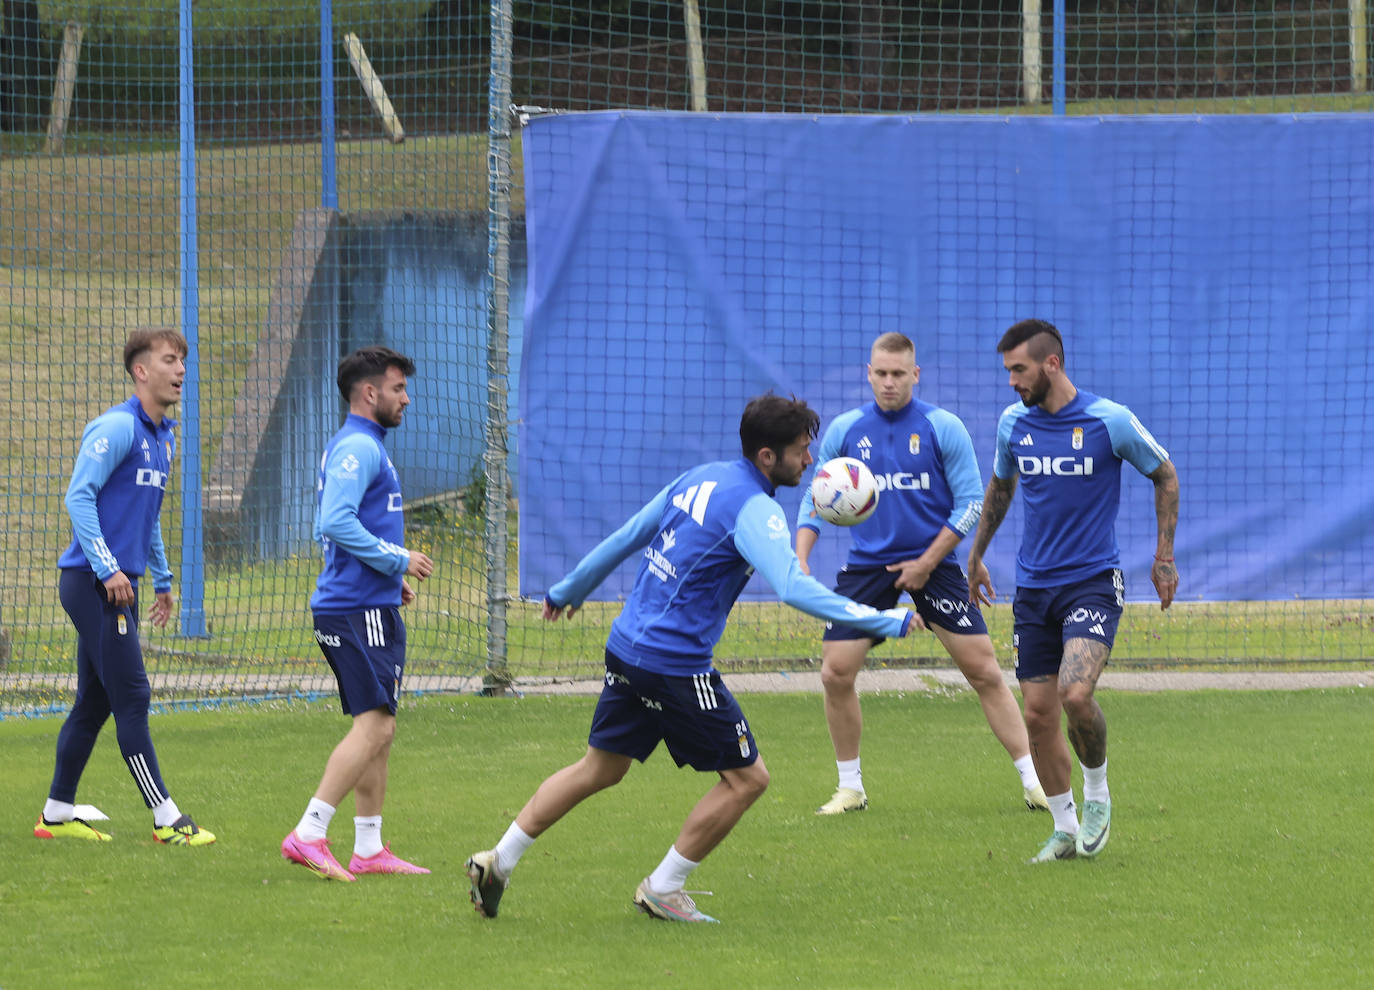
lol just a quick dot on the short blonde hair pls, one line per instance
(895, 343)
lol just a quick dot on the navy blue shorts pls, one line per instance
(942, 602)
(697, 718)
(367, 652)
(1044, 619)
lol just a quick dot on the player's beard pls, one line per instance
(1035, 396)
(783, 476)
(390, 418)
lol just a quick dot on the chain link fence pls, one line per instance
(287, 181)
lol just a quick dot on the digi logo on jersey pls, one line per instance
(151, 478)
(903, 481)
(1063, 466)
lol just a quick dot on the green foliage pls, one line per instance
(219, 21)
(1209, 879)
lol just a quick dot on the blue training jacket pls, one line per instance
(360, 522)
(115, 495)
(701, 537)
(927, 475)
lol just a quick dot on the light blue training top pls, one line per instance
(1069, 464)
(701, 537)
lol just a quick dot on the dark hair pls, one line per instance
(369, 362)
(774, 422)
(1044, 337)
(142, 341)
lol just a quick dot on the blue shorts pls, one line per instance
(697, 718)
(367, 652)
(1044, 619)
(942, 602)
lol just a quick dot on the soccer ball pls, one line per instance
(844, 491)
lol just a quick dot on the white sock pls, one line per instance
(511, 847)
(58, 811)
(165, 813)
(850, 776)
(314, 824)
(1064, 812)
(1095, 783)
(672, 873)
(1026, 768)
(367, 836)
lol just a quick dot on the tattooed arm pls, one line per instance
(1164, 574)
(996, 502)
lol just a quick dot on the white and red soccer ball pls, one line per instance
(844, 491)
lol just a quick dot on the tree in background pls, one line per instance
(21, 65)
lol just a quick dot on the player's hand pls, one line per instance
(552, 611)
(162, 608)
(420, 565)
(912, 621)
(407, 592)
(1165, 577)
(805, 567)
(119, 591)
(980, 589)
(912, 575)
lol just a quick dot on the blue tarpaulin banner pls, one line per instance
(1215, 274)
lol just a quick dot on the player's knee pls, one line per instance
(985, 677)
(600, 771)
(838, 677)
(1041, 722)
(754, 781)
(1077, 699)
(377, 728)
(134, 700)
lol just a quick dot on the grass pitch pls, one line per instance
(1234, 861)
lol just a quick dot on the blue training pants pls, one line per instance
(110, 680)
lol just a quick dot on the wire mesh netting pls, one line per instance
(339, 179)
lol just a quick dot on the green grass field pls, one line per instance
(1235, 860)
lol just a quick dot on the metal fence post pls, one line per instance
(497, 678)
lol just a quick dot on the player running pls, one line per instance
(923, 460)
(1067, 446)
(698, 540)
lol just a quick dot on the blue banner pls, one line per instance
(1215, 274)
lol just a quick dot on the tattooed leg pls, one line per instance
(1078, 674)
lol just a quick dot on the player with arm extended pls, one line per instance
(923, 460)
(1066, 446)
(698, 541)
(114, 500)
(361, 524)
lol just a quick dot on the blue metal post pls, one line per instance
(329, 178)
(1057, 96)
(192, 523)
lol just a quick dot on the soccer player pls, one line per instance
(698, 539)
(1067, 446)
(356, 605)
(923, 460)
(114, 499)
